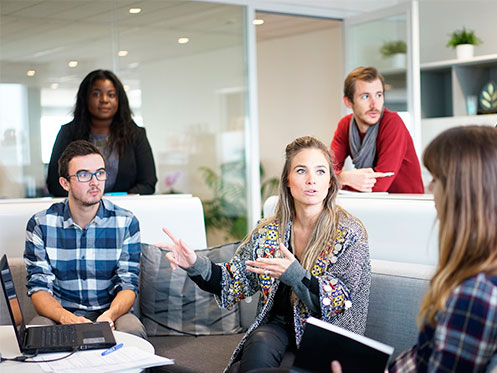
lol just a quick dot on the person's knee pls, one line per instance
(129, 323)
(260, 336)
(267, 335)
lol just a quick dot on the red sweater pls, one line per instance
(394, 152)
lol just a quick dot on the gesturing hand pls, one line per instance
(273, 267)
(179, 253)
(362, 179)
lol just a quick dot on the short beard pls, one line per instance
(88, 202)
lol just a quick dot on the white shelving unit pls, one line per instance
(445, 85)
(431, 127)
(449, 63)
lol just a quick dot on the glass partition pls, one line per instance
(183, 64)
(382, 43)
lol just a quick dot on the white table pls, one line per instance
(9, 349)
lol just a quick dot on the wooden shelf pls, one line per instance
(478, 60)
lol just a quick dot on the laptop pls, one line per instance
(53, 338)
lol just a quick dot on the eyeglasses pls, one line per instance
(85, 177)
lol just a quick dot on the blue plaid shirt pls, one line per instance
(464, 338)
(83, 268)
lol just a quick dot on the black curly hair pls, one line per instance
(122, 129)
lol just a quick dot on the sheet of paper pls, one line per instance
(92, 361)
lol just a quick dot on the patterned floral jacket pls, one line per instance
(343, 272)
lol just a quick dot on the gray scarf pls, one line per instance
(363, 153)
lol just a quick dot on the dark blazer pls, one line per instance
(136, 172)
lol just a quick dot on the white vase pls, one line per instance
(399, 60)
(465, 51)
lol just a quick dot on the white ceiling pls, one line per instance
(339, 6)
(45, 34)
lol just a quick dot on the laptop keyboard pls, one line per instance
(59, 335)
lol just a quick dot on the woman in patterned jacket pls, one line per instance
(310, 259)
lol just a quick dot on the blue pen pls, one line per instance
(112, 349)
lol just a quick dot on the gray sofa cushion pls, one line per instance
(172, 304)
(396, 293)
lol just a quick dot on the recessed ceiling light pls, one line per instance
(133, 65)
(54, 85)
(126, 87)
(134, 10)
(122, 53)
(72, 63)
(183, 40)
(30, 73)
(258, 22)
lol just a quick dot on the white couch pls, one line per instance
(401, 227)
(181, 213)
(396, 227)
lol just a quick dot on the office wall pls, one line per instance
(184, 109)
(438, 19)
(300, 91)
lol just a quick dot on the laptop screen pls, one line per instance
(12, 300)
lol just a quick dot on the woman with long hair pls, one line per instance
(458, 315)
(310, 259)
(102, 116)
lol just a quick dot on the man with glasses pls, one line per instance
(82, 255)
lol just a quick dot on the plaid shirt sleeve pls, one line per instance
(465, 336)
(128, 268)
(405, 363)
(40, 276)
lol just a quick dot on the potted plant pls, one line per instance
(396, 50)
(464, 42)
(226, 212)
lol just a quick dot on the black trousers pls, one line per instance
(265, 347)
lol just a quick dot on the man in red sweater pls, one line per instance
(376, 139)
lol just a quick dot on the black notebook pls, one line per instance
(323, 342)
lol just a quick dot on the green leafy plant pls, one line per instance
(227, 209)
(463, 36)
(390, 48)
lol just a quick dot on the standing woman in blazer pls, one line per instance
(102, 116)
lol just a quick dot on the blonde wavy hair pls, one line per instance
(326, 225)
(464, 161)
